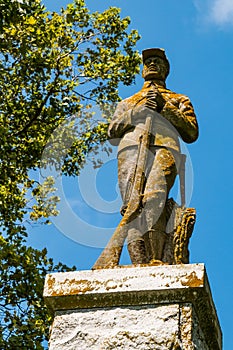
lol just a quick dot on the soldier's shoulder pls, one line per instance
(135, 98)
(173, 94)
(125, 104)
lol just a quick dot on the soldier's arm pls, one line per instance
(120, 123)
(180, 113)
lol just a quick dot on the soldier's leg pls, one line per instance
(126, 169)
(160, 179)
(135, 240)
(155, 239)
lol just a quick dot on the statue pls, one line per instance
(147, 127)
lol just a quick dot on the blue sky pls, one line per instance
(198, 38)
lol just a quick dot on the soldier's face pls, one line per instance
(154, 68)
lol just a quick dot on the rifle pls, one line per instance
(111, 254)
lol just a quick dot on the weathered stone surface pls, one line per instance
(163, 307)
(142, 328)
(190, 330)
(116, 328)
(124, 280)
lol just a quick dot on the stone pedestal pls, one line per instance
(152, 307)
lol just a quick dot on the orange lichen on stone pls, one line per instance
(69, 286)
(50, 282)
(81, 286)
(192, 281)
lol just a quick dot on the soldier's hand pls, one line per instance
(154, 100)
(152, 104)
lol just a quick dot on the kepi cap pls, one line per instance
(155, 52)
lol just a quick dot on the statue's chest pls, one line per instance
(140, 98)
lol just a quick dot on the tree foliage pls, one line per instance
(53, 68)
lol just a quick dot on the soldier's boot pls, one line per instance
(155, 241)
(137, 251)
(147, 247)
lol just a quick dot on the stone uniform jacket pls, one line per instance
(176, 119)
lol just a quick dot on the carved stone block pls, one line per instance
(162, 307)
(180, 225)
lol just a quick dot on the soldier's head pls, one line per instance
(155, 64)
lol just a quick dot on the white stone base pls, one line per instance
(162, 307)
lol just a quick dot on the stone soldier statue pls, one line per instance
(171, 116)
